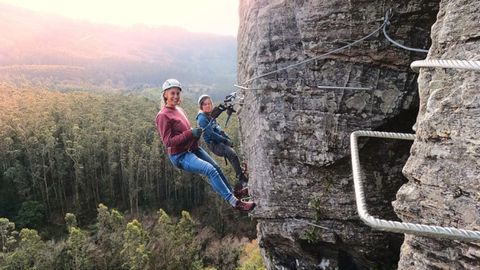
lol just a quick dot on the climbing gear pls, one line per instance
(170, 83)
(201, 99)
(244, 206)
(226, 106)
(228, 102)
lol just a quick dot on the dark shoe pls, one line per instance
(241, 192)
(243, 179)
(244, 206)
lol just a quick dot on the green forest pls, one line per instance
(85, 184)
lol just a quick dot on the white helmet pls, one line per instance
(171, 83)
(201, 99)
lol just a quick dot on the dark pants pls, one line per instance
(223, 150)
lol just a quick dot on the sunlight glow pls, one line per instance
(208, 16)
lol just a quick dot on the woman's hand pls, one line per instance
(197, 132)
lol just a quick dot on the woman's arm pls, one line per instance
(165, 130)
(209, 131)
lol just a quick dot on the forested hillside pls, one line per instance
(84, 179)
(116, 243)
(71, 55)
(71, 151)
(64, 153)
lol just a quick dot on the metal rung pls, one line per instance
(440, 63)
(395, 226)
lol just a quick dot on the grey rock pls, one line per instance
(295, 136)
(443, 169)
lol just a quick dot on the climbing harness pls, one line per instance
(389, 225)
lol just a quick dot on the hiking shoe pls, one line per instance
(241, 192)
(244, 206)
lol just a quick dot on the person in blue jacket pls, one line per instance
(181, 143)
(217, 140)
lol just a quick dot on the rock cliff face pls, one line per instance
(444, 166)
(295, 134)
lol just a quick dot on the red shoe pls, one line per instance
(241, 192)
(244, 206)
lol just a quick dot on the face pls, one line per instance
(172, 97)
(207, 105)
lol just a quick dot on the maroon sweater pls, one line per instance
(175, 131)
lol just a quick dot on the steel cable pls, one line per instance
(395, 226)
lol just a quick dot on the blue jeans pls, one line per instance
(198, 161)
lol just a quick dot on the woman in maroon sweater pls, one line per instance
(181, 141)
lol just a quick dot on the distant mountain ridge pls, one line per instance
(66, 52)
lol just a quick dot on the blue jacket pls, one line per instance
(212, 133)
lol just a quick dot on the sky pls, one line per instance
(206, 16)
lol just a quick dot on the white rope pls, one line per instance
(459, 64)
(343, 87)
(309, 60)
(395, 226)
